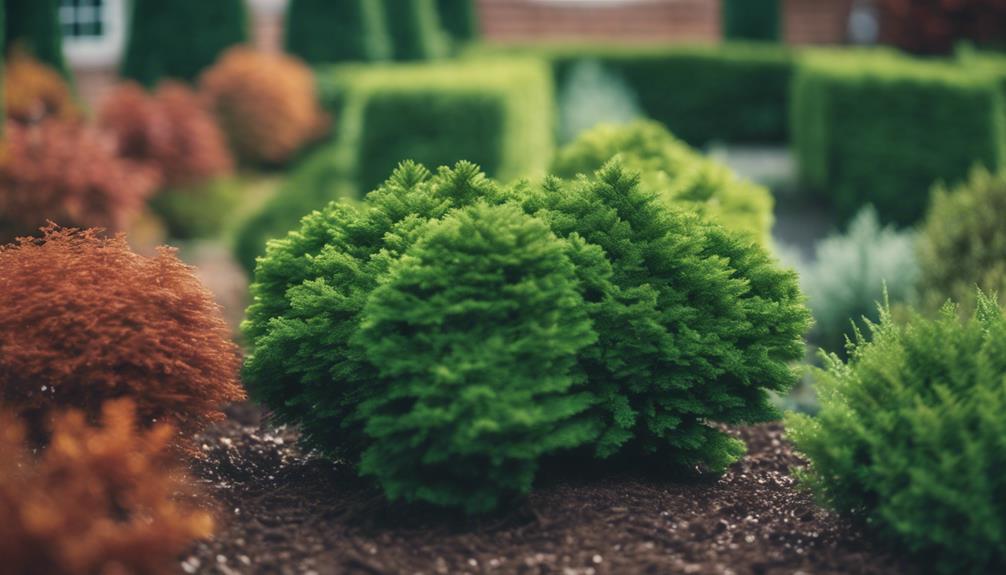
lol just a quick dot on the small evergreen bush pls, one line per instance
(963, 242)
(689, 325)
(673, 172)
(850, 273)
(474, 332)
(909, 439)
(323, 31)
(180, 38)
(415, 29)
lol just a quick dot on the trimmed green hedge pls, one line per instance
(178, 39)
(732, 92)
(498, 113)
(751, 19)
(459, 18)
(881, 129)
(323, 31)
(415, 29)
(34, 26)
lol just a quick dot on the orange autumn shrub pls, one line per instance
(67, 172)
(266, 104)
(34, 92)
(170, 130)
(97, 501)
(83, 319)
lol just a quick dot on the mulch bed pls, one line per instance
(283, 511)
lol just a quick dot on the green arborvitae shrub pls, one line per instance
(692, 325)
(751, 19)
(909, 439)
(850, 273)
(495, 113)
(459, 18)
(881, 128)
(963, 241)
(475, 333)
(33, 25)
(735, 92)
(180, 38)
(414, 26)
(323, 31)
(675, 173)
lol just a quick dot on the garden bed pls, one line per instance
(283, 511)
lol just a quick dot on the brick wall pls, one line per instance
(815, 21)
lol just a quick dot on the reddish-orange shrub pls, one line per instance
(171, 131)
(97, 501)
(34, 92)
(936, 26)
(266, 103)
(83, 319)
(67, 172)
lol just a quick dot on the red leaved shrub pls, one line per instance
(935, 26)
(67, 172)
(34, 92)
(266, 104)
(83, 319)
(170, 130)
(97, 501)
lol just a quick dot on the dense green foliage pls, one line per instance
(881, 129)
(323, 31)
(751, 19)
(33, 25)
(731, 92)
(198, 210)
(910, 437)
(459, 18)
(178, 39)
(317, 180)
(688, 325)
(963, 241)
(497, 113)
(474, 333)
(850, 272)
(675, 173)
(414, 26)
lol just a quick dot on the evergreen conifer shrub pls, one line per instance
(963, 242)
(474, 332)
(674, 172)
(460, 18)
(33, 26)
(910, 436)
(363, 323)
(415, 29)
(323, 31)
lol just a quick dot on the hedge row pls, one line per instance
(495, 112)
(733, 92)
(881, 128)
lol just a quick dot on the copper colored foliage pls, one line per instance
(83, 319)
(170, 130)
(67, 172)
(936, 26)
(34, 92)
(97, 501)
(265, 102)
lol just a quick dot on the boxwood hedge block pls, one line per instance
(497, 113)
(882, 129)
(732, 92)
(323, 31)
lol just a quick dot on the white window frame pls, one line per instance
(100, 51)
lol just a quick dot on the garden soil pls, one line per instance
(283, 511)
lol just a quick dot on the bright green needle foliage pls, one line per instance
(963, 241)
(475, 332)
(695, 324)
(911, 437)
(674, 172)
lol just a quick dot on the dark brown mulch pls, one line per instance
(284, 512)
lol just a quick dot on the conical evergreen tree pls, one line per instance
(322, 31)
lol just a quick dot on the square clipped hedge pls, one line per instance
(881, 129)
(498, 113)
(737, 92)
